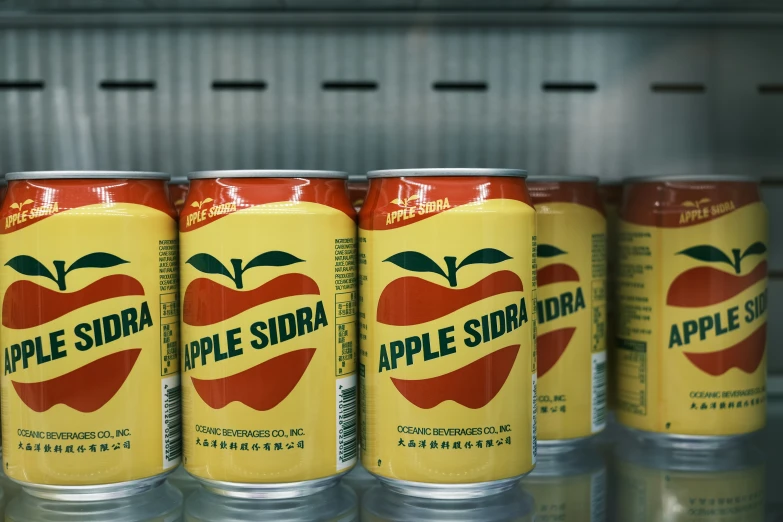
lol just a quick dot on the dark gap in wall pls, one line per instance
(460, 86)
(569, 86)
(130, 85)
(770, 88)
(683, 88)
(239, 85)
(22, 85)
(349, 85)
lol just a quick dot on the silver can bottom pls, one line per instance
(557, 446)
(449, 491)
(270, 491)
(688, 442)
(94, 492)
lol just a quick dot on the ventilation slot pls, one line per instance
(239, 85)
(460, 86)
(128, 85)
(21, 85)
(359, 85)
(569, 86)
(771, 88)
(679, 88)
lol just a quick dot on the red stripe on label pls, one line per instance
(85, 389)
(472, 386)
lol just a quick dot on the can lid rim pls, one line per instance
(692, 177)
(271, 173)
(446, 172)
(85, 174)
(563, 178)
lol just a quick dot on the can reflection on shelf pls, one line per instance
(184, 482)
(360, 480)
(336, 504)
(381, 505)
(672, 485)
(569, 487)
(160, 504)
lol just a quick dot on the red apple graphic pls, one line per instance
(409, 301)
(261, 387)
(27, 305)
(551, 345)
(206, 302)
(704, 286)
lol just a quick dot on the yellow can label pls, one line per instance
(90, 387)
(651, 495)
(269, 341)
(691, 348)
(572, 498)
(571, 314)
(448, 341)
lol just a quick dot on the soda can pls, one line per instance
(569, 486)
(90, 316)
(336, 504)
(571, 309)
(611, 193)
(357, 190)
(178, 191)
(691, 351)
(160, 504)
(448, 363)
(268, 267)
(657, 483)
(383, 505)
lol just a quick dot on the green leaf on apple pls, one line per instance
(273, 258)
(96, 260)
(544, 250)
(415, 262)
(487, 256)
(209, 265)
(29, 266)
(756, 248)
(706, 253)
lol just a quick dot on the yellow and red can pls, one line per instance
(448, 367)
(570, 309)
(611, 193)
(268, 269)
(692, 284)
(90, 321)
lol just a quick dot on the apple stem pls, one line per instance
(737, 259)
(236, 264)
(59, 267)
(451, 270)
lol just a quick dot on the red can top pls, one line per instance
(396, 200)
(682, 201)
